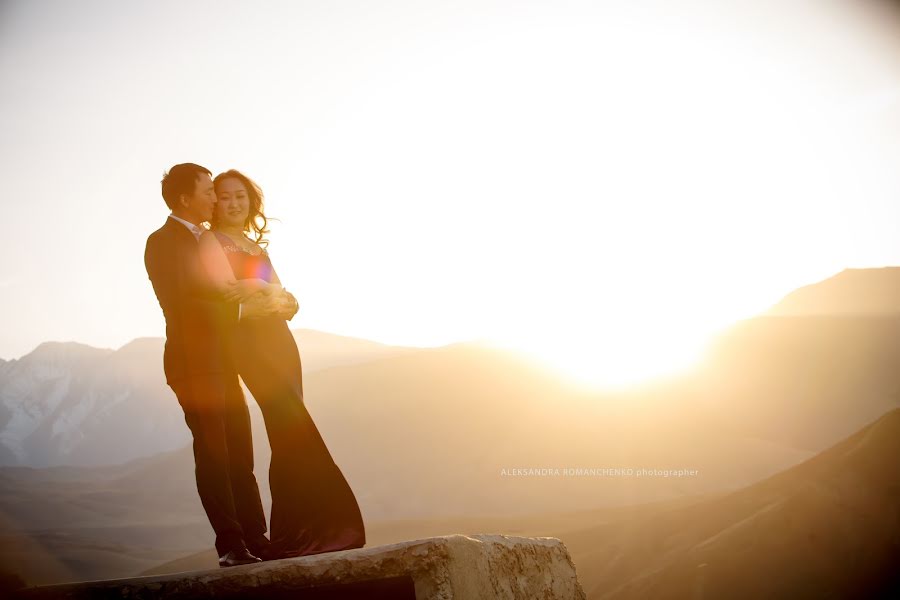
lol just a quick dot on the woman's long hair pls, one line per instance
(256, 220)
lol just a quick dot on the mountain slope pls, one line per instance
(828, 527)
(802, 381)
(850, 292)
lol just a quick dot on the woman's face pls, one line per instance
(233, 205)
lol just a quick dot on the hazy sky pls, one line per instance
(602, 183)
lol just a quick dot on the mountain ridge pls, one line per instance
(850, 292)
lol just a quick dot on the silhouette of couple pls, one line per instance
(226, 315)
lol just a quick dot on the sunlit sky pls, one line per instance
(601, 184)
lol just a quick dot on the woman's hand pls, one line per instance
(288, 306)
(241, 289)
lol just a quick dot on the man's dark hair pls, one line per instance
(181, 179)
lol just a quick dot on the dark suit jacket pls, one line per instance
(199, 324)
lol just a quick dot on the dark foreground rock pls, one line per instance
(453, 567)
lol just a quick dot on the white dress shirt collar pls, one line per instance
(195, 229)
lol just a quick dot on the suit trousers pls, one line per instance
(216, 412)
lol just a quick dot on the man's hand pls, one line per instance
(241, 290)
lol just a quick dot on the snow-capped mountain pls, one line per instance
(67, 403)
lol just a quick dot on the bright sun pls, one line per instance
(606, 366)
(619, 353)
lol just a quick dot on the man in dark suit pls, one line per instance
(200, 370)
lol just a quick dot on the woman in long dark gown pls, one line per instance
(314, 509)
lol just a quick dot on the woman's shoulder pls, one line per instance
(254, 247)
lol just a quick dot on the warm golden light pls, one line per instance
(621, 354)
(610, 368)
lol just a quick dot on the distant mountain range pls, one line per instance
(817, 366)
(70, 404)
(430, 434)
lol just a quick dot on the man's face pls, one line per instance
(202, 202)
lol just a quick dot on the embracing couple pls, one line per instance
(226, 317)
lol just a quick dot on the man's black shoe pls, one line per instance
(261, 547)
(238, 557)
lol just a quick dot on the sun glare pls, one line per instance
(619, 354)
